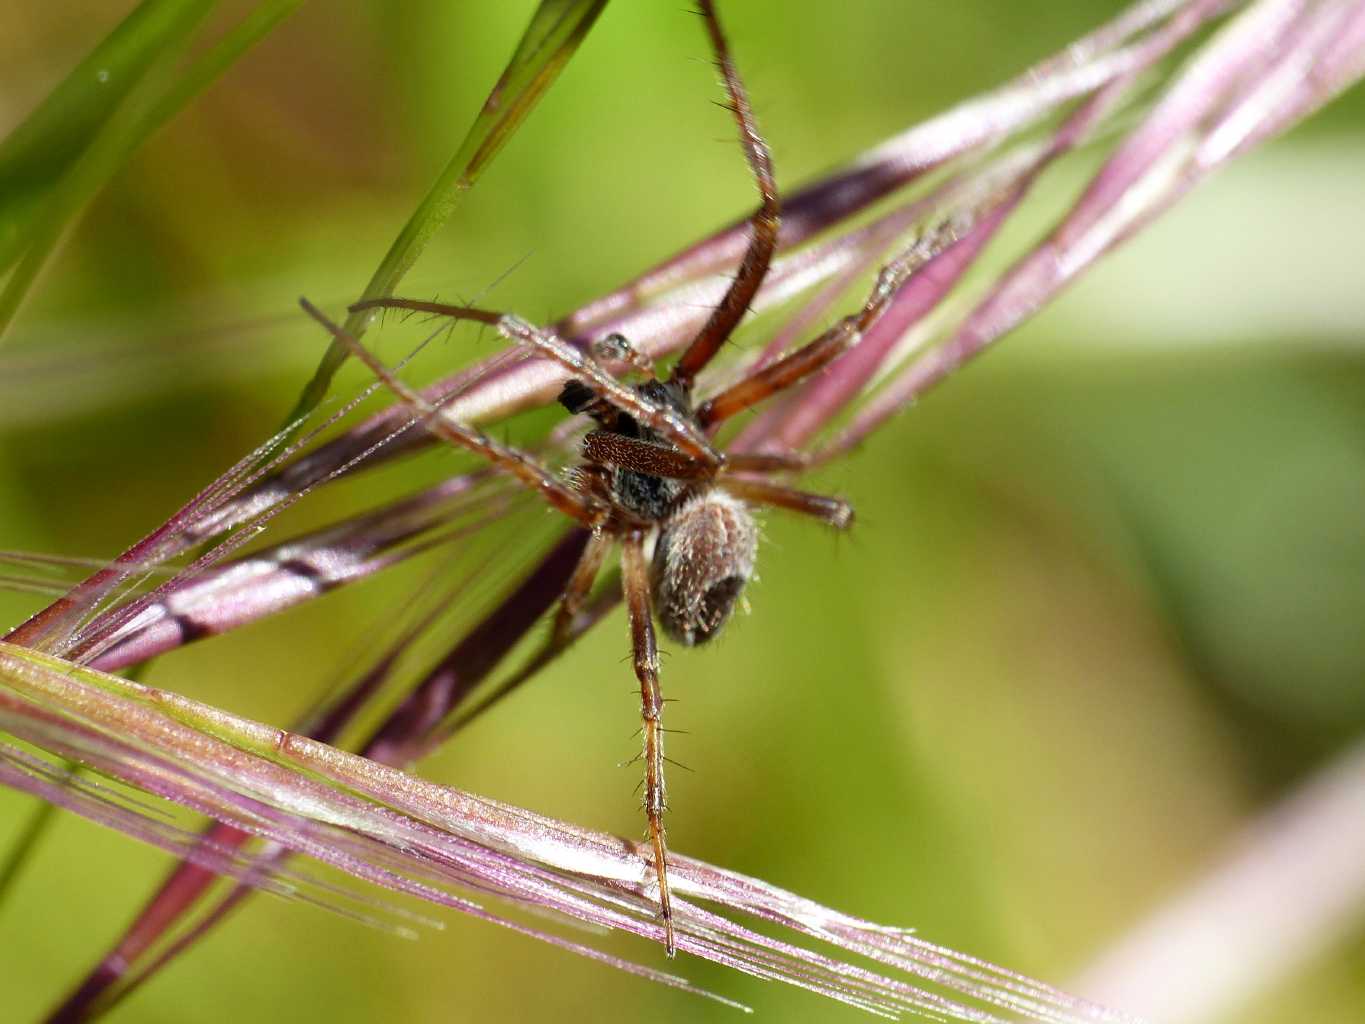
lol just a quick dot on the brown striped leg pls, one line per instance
(779, 376)
(635, 581)
(819, 353)
(583, 508)
(579, 587)
(833, 512)
(662, 419)
(603, 447)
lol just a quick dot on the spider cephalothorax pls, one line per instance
(640, 493)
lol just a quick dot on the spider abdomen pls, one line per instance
(702, 560)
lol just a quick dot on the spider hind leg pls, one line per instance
(635, 582)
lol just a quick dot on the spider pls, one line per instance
(651, 477)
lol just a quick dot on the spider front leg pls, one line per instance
(781, 375)
(661, 418)
(608, 449)
(816, 355)
(764, 224)
(583, 508)
(635, 582)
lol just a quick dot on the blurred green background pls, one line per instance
(1102, 606)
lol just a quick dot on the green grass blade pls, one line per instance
(35, 226)
(553, 35)
(104, 153)
(62, 125)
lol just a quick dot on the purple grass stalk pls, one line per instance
(1131, 188)
(418, 839)
(211, 512)
(1287, 888)
(1330, 57)
(162, 543)
(189, 880)
(404, 736)
(218, 598)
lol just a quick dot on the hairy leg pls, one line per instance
(817, 354)
(764, 224)
(833, 512)
(579, 587)
(635, 581)
(662, 419)
(583, 508)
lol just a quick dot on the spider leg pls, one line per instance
(833, 512)
(767, 462)
(584, 508)
(817, 354)
(635, 581)
(577, 590)
(662, 419)
(779, 376)
(764, 223)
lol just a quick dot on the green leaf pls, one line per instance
(63, 124)
(74, 139)
(553, 35)
(81, 136)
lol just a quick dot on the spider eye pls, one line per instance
(613, 346)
